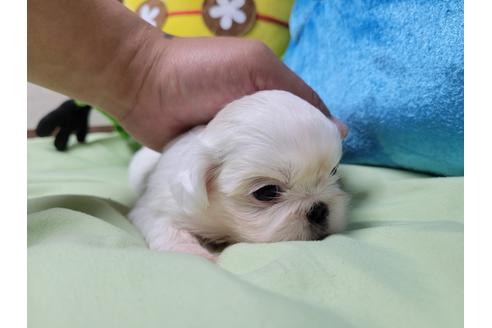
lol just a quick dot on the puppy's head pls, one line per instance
(266, 171)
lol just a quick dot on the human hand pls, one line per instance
(155, 86)
(188, 80)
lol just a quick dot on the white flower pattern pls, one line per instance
(228, 11)
(149, 14)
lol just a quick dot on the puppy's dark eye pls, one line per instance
(334, 171)
(267, 193)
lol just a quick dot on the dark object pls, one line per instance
(318, 213)
(68, 118)
(267, 193)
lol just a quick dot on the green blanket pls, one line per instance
(399, 264)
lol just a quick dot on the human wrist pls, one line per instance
(124, 77)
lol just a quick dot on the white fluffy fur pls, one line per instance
(202, 183)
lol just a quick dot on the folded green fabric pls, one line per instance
(399, 264)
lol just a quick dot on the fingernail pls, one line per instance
(341, 127)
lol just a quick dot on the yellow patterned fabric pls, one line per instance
(265, 20)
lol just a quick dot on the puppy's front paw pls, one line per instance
(195, 249)
(187, 245)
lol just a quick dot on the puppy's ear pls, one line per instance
(190, 185)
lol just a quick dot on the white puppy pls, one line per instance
(263, 170)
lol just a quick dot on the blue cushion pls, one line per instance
(393, 71)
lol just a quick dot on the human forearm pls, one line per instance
(94, 50)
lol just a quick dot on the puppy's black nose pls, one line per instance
(317, 213)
